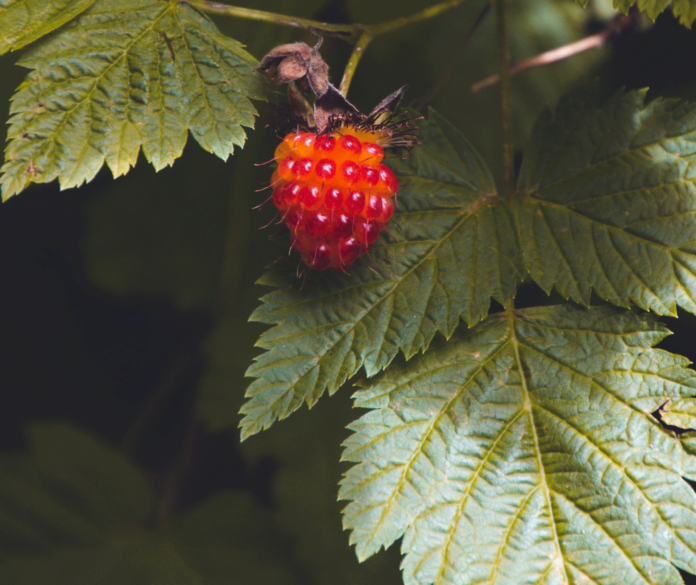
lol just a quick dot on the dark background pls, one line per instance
(125, 290)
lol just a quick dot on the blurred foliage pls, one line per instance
(74, 511)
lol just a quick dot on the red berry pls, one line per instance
(304, 145)
(320, 258)
(304, 167)
(343, 226)
(349, 249)
(324, 143)
(287, 169)
(373, 153)
(326, 169)
(350, 172)
(387, 210)
(335, 195)
(388, 179)
(333, 199)
(355, 202)
(311, 197)
(366, 231)
(351, 145)
(369, 175)
(374, 207)
(318, 223)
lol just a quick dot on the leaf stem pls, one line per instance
(506, 99)
(364, 40)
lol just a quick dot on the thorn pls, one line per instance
(264, 163)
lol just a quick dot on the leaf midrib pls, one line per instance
(532, 423)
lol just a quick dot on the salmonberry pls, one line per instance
(334, 193)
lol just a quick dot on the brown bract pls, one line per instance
(302, 64)
(302, 67)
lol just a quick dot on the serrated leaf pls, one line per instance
(453, 253)
(75, 512)
(523, 451)
(608, 200)
(684, 10)
(25, 21)
(126, 74)
(680, 412)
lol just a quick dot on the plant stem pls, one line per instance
(262, 15)
(347, 31)
(425, 14)
(506, 99)
(364, 40)
(618, 25)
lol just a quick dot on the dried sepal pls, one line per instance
(302, 67)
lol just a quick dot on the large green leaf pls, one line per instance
(24, 21)
(523, 451)
(126, 74)
(608, 201)
(455, 250)
(75, 512)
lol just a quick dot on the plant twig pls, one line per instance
(364, 40)
(282, 19)
(596, 41)
(347, 31)
(419, 104)
(425, 14)
(506, 99)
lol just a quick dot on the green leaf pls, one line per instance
(608, 201)
(127, 74)
(453, 253)
(680, 412)
(77, 513)
(684, 10)
(24, 21)
(523, 451)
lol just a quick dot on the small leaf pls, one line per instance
(608, 200)
(523, 451)
(25, 21)
(74, 512)
(126, 74)
(454, 251)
